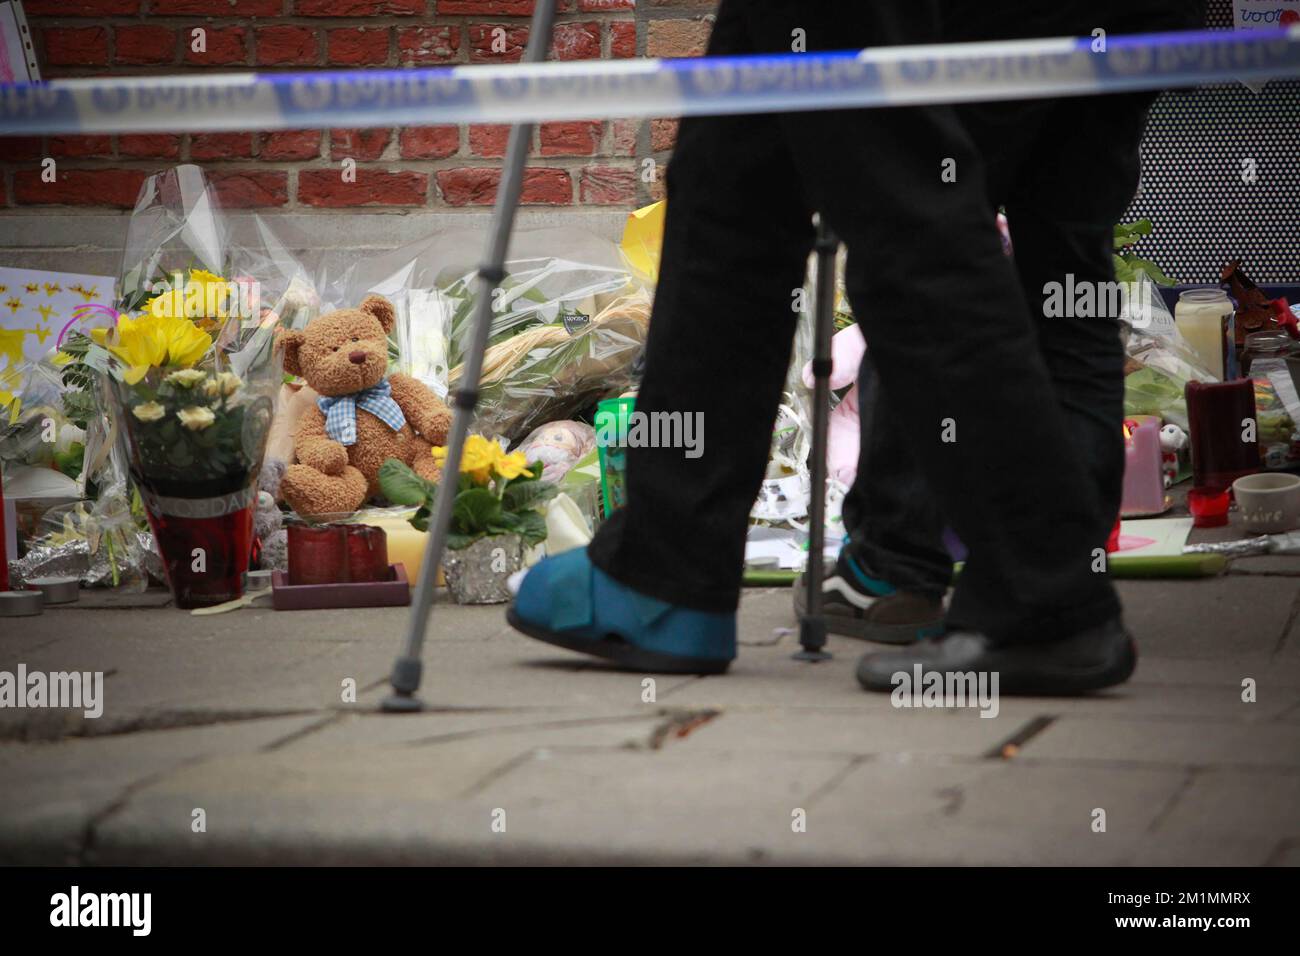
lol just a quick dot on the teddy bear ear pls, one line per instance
(291, 342)
(381, 309)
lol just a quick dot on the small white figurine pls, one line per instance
(1172, 441)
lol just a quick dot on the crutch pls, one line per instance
(812, 626)
(407, 669)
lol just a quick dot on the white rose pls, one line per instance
(148, 411)
(227, 383)
(196, 417)
(185, 378)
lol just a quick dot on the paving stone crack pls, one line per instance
(1175, 798)
(1290, 623)
(517, 728)
(90, 832)
(145, 723)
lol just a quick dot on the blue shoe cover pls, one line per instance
(569, 602)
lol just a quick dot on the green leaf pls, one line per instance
(420, 520)
(456, 541)
(532, 527)
(521, 495)
(1152, 270)
(401, 485)
(474, 510)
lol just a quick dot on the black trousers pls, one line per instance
(951, 335)
(1064, 171)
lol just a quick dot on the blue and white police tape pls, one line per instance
(885, 76)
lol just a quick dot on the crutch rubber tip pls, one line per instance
(812, 641)
(401, 704)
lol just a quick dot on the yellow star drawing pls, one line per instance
(15, 304)
(52, 287)
(46, 312)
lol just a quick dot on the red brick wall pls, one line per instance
(591, 163)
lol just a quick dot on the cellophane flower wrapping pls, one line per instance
(568, 319)
(189, 374)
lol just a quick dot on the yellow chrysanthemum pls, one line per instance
(513, 465)
(152, 342)
(138, 344)
(186, 342)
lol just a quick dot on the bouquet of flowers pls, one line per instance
(186, 377)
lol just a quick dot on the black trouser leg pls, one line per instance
(892, 520)
(736, 242)
(1063, 188)
(951, 338)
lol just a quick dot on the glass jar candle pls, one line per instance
(1223, 432)
(1202, 317)
(317, 554)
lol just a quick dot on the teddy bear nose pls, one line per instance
(357, 358)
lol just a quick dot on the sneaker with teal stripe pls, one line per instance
(857, 605)
(569, 602)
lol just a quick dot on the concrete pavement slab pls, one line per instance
(53, 791)
(1185, 743)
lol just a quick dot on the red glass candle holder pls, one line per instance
(337, 554)
(1209, 506)
(317, 554)
(367, 553)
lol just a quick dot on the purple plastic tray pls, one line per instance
(395, 592)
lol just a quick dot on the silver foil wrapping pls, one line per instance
(135, 564)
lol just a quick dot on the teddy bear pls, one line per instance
(362, 416)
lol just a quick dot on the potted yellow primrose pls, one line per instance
(494, 515)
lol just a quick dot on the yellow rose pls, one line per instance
(185, 378)
(148, 411)
(196, 417)
(513, 465)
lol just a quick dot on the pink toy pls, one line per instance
(847, 348)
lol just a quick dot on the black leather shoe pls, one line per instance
(1090, 660)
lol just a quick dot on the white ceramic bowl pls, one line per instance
(1269, 502)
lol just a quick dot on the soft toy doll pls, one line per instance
(844, 435)
(362, 418)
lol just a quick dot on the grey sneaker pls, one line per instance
(850, 610)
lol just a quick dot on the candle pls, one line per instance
(405, 544)
(1223, 432)
(1200, 317)
(1144, 487)
(317, 554)
(367, 553)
